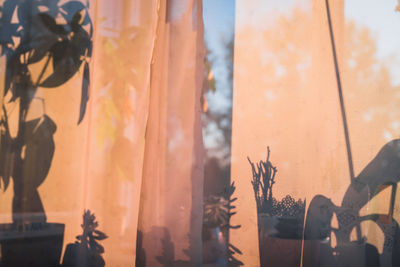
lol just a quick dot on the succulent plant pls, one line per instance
(290, 213)
(263, 181)
(86, 251)
(90, 235)
(219, 209)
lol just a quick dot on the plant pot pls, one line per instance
(36, 245)
(214, 247)
(318, 252)
(276, 251)
(78, 255)
(279, 241)
(352, 254)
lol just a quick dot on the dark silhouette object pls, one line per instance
(155, 237)
(381, 173)
(86, 251)
(232, 250)
(30, 34)
(140, 252)
(167, 259)
(317, 235)
(280, 223)
(233, 261)
(40, 245)
(281, 232)
(317, 243)
(319, 217)
(290, 215)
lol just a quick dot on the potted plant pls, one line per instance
(280, 223)
(218, 210)
(40, 52)
(86, 251)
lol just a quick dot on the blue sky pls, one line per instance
(219, 20)
(219, 24)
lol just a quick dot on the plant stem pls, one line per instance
(43, 71)
(6, 120)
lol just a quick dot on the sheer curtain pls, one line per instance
(172, 182)
(136, 159)
(286, 100)
(152, 182)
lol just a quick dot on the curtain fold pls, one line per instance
(170, 217)
(123, 51)
(146, 154)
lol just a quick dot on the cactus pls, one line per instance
(263, 181)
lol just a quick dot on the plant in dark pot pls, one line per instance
(44, 43)
(86, 251)
(280, 223)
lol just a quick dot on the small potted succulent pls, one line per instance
(280, 223)
(216, 225)
(86, 251)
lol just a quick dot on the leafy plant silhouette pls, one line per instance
(86, 251)
(57, 38)
(90, 235)
(232, 250)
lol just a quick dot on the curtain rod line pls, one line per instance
(339, 85)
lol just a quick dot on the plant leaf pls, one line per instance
(67, 57)
(51, 24)
(8, 10)
(75, 25)
(99, 248)
(7, 31)
(25, 11)
(100, 235)
(60, 51)
(40, 47)
(71, 8)
(6, 159)
(234, 249)
(66, 62)
(85, 92)
(39, 150)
